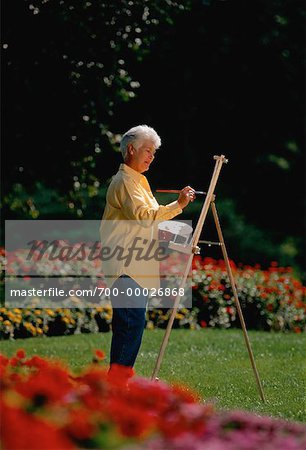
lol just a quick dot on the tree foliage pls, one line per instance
(68, 69)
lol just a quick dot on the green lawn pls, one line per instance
(215, 363)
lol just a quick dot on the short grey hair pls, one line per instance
(136, 136)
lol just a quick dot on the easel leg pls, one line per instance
(233, 285)
(170, 323)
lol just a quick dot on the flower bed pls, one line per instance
(22, 323)
(271, 299)
(45, 406)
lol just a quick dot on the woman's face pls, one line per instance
(141, 158)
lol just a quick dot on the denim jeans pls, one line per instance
(128, 322)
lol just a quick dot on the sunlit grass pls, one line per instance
(215, 363)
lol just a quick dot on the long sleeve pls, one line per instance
(134, 205)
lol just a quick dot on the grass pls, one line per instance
(214, 363)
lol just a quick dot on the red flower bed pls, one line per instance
(45, 406)
(270, 298)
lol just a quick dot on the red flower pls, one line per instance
(203, 324)
(14, 361)
(100, 354)
(23, 431)
(92, 389)
(80, 426)
(37, 362)
(3, 360)
(49, 385)
(94, 378)
(146, 395)
(20, 353)
(130, 420)
(119, 374)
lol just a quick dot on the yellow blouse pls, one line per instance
(129, 229)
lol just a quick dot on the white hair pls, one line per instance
(136, 136)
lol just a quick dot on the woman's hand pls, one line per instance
(187, 195)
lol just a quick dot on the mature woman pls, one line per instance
(128, 223)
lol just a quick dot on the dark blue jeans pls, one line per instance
(128, 322)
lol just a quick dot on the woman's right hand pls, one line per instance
(187, 195)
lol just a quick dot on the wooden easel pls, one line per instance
(194, 249)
